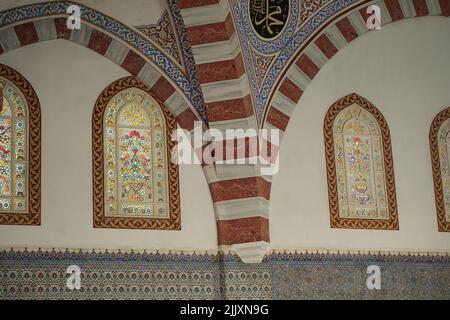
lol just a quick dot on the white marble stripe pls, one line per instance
(241, 123)
(385, 16)
(407, 8)
(116, 52)
(148, 75)
(242, 208)
(217, 51)
(81, 36)
(205, 14)
(336, 37)
(176, 104)
(269, 126)
(434, 7)
(226, 90)
(221, 172)
(316, 55)
(358, 23)
(45, 29)
(8, 39)
(249, 252)
(297, 76)
(283, 104)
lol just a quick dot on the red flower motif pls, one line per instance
(135, 133)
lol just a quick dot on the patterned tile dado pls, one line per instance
(139, 275)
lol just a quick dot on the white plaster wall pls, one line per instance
(130, 12)
(68, 79)
(404, 70)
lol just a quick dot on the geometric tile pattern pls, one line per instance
(129, 275)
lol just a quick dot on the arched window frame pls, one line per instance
(101, 220)
(31, 216)
(436, 160)
(359, 223)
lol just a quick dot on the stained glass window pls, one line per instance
(135, 157)
(20, 150)
(135, 183)
(359, 156)
(359, 165)
(13, 151)
(440, 155)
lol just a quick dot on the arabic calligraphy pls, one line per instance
(268, 17)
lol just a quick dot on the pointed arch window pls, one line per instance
(360, 172)
(440, 158)
(135, 183)
(19, 150)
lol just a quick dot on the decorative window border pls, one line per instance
(100, 219)
(335, 219)
(441, 117)
(33, 215)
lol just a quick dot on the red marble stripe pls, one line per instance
(364, 14)
(185, 4)
(307, 66)
(326, 46)
(395, 11)
(421, 7)
(26, 33)
(133, 63)
(242, 148)
(213, 32)
(347, 30)
(62, 32)
(277, 118)
(240, 188)
(221, 70)
(445, 7)
(186, 119)
(229, 109)
(99, 42)
(290, 90)
(162, 89)
(243, 230)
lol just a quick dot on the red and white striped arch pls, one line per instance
(239, 193)
(100, 41)
(326, 43)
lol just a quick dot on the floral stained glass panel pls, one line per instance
(359, 165)
(13, 153)
(135, 157)
(444, 156)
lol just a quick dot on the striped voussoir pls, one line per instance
(325, 44)
(240, 195)
(100, 41)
